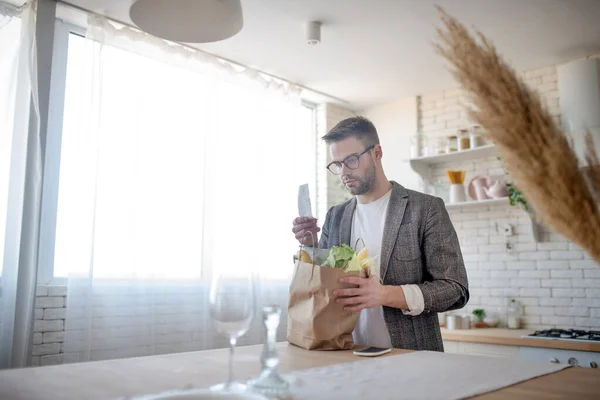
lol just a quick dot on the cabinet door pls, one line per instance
(451, 347)
(490, 350)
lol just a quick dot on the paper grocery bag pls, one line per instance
(315, 320)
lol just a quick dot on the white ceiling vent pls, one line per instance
(579, 98)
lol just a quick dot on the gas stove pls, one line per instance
(566, 334)
(587, 359)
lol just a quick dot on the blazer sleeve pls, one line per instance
(446, 284)
(324, 240)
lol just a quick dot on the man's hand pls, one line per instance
(369, 293)
(303, 226)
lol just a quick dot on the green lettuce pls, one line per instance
(339, 256)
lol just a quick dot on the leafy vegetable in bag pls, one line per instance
(346, 258)
(339, 256)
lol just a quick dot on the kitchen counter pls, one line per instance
(512, 337)
(142, 375)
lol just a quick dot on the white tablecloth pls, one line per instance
(418, 375)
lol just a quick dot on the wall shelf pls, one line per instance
(422, 165)
(478, 203)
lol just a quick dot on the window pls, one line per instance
(146, 209)
(9, 43)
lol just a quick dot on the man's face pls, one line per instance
(360, 180)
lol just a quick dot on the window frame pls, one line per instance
(52, 155)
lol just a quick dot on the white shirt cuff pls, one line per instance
(414, 299)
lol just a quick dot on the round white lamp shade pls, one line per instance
(189, 21)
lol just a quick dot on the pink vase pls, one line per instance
(480, 185)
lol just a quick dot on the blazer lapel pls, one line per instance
(346, 223)
(393, 219)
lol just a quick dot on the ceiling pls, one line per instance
(375, 51)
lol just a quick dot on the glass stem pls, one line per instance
(232, 343)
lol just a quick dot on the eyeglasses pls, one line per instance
(351, 162)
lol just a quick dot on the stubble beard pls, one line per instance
(364, 184)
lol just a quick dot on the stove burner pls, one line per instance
(594, 335)
(573, 334)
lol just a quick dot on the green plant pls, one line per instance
(479, 314)
(516, 197)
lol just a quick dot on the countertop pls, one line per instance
(128, 377)
(513, 337)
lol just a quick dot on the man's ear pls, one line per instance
(378, 152)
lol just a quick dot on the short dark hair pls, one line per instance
(358, 127)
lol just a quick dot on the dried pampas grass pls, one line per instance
(593, 169)
(536, 152)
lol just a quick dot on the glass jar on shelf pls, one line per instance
(436, 146)
(476, 137)
(418, 144)
(451, 144)
(514, 313)
(463, 139)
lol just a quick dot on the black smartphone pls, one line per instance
(372, 352)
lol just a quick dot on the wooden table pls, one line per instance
(144, 375)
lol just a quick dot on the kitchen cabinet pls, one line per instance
(511, 344)
(481, 349)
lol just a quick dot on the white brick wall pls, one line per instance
(126, 322)
(49, 325)
(442, 113)
(557, 283)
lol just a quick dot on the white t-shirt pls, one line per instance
(367, 224)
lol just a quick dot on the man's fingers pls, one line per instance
(305, 226)
(355, 280)
(306, 234)
(303, 220)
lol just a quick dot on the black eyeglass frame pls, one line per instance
(338, 164)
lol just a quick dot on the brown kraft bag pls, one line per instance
(315, 320)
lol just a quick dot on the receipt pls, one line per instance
(304, 209)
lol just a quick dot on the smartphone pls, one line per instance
(372, 352)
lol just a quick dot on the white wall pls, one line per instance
(396, 122)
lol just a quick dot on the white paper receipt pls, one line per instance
(304, 209)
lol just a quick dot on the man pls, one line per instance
(421, 267)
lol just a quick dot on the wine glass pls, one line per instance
(269, 382)
(232, 301)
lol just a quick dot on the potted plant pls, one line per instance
(479, 315)
(516, 198)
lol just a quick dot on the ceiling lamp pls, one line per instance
(313, 33)
(188, 21)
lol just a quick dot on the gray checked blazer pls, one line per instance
(420, 246)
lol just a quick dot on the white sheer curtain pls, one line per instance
(174, 165)
(20, 182)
